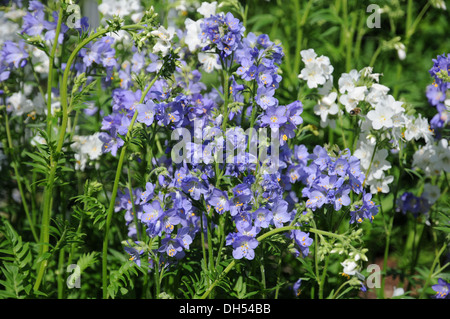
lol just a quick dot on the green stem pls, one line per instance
(324, 275)
(114, 193)
(48, 191)
(50, 71)
(435, 262)
(261, 238)
(19, 178)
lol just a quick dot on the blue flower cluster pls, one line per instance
(409, 203)
(190, 194)
(35, 25)
(437, 92)
(12, 56)
(175, 207)
(224, 31)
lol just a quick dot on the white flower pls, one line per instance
(431, 192)
(422, 158)
(325, 65)
(354, 96)
(312, 73)
(19, 104)
(40, 61)
(86, 148)
(398, 292)
(349, 267)
(443, 155)
(376, 93)
(347, 81)
(93, 147)
(381, 117)
(207, 9)
(327, 87)
(364, 153)
(193, 30)
(326, 106)
(122, 8)
(163, 42)
(209, 61)
(380, 185)
(379, 164)
(417, 128)
(308, 56)
(317, 70)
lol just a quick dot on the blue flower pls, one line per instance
(146, 113)
(111, 143)
(152, 213)
(408, 202)
(275, 116)
(135, 255)
(15, 53)
(219, 200)
(442, 289)
(169, 219)
(262, 217)
(296, 287)
(243, 247)
(171, 246)
(264, 97)
(302, 241)
(280, 213)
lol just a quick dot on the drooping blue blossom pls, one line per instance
(302, 241)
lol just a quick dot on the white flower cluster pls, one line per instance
(385, 117)
(122, 8)
(433, 158)
(380, 115)
(87, 149)
(192, 38)
(317, 70)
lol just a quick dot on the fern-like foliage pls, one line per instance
(89, 205)
(121, 278)
(17, 258)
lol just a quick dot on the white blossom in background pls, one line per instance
(18, 104)
(207, 9)
(193, 30)
(122, 8)
(40, 61)
(380, 185)
(317, 70)
(433, 158)
(87, 149)
(209, 61)
(431, 192)
(417, 128)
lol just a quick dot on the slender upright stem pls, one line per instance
(114, 193)
(261, 238)
(19, 179)
(48, 191)
(435, 262)
(50, 71)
